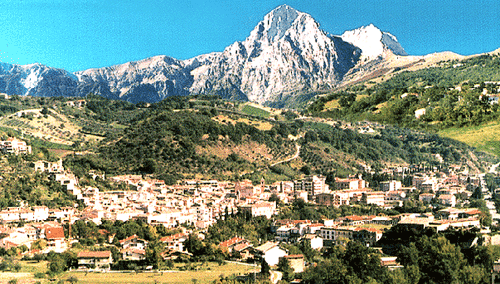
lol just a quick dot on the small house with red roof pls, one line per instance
(133, 254)
(175, 242)
(55, 239)
(134, 242)
(237, 246)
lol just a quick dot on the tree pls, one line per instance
(363, 262)
(40, 244)
(57, 265)
(284, 266)
(329, 271)
(265, 269)
(439, 260)
(194, 245)
(153, 254)
(45, 111)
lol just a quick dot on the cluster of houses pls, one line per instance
(491, 90)
(200, 203)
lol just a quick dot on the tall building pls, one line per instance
(314, 185)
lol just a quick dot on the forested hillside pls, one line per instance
(188, 137)
(453, 93)
(206, 137)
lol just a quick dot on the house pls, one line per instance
(313, 185)
(133, 254)
(55, 239)
(313, 228)
(352, 184)
(15, 239)
(134, 242)
(244, 250)
(40, 213)
(377, 198)
(169, 254)
(283, 234)
(447, 200)
(390, 262)
(15, 146)
(95, 259)
(426, 197)
(343, 234)
(245, 189)
(325, 199)
(262, 208)
(420, 112)
(390, 185)
(11, 214)
(296, 262)
(270, 252)
(314, 241)
(367, 236)
(239, 246)
(175, 242)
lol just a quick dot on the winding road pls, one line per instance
(297, 154)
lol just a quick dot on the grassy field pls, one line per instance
(261, 125)
(255, 111)
(333, 104)
(26, 274)
(206, 273)
(484, 137)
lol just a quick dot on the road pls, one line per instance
(488, 194)
(297, 154)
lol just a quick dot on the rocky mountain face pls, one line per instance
(148, 80)
(286, 54)
(373, 42)
(36, 80)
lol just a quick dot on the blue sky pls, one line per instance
(80, 34)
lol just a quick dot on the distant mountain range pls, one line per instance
(286, 54)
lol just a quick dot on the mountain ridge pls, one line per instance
(286, 54)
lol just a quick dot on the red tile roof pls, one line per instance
(354, 218)
(130, 238)
(242, 246)
(231, 242)
(54, 233)
(173, 237)
(295, 256)
(94, 254)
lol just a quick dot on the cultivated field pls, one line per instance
(206, 273)
(484, 137)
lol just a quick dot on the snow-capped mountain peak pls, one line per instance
(373, 42)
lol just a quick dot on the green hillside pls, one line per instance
(213, 142)
(456, 99)
(206, 137)
(451, 94)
